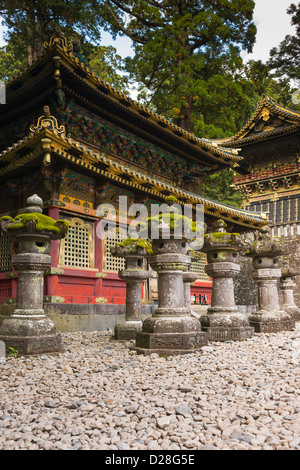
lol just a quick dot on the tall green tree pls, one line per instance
(285, 59)
(32, 22)
(107, 64)
(187, 53)
(260, 80)
(12, 61)
(218, 187)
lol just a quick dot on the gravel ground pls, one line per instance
(100, 395)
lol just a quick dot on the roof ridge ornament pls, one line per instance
(46, 121)
(59, 39)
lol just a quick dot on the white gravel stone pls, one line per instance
(98, 394)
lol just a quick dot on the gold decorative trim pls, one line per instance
(46, 121)
(101, 300)
(54, 299)
(61, 42)
(54, 271)
(101, 275)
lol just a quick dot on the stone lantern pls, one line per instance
(287, 286)
(269, 318)
(172, 329)
(223, 321)
(28, 329)
(134, 251)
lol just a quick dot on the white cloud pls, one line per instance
(122, 44)
(273, 24)
(2, 30)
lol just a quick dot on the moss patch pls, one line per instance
(42, 222)
(171, 199)
(133, 243)
(222, 237)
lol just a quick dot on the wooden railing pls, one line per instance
(267, 174)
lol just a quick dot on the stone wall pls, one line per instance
(245, 289)
(82, 317)
(291, 246)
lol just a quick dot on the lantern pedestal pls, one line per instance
(134, 251)
(287, 286)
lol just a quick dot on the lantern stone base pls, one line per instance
(293, 311)
(30, 335)
(127, 330)
(224, 324)
(228, 334)
(271, 322)
(166, 335)
(169, 344)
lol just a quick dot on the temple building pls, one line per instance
(78, 143)
(270, 171)
(269, 178)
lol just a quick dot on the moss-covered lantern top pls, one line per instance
(221, 239)
(170, 222)
(32, 221)
(132, 247)
(264, 246)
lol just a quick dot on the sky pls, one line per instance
(273, 24)
(270, 17)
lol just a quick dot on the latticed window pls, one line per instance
(77, 248)
(5, 253)
(198, 267)
(111, 263)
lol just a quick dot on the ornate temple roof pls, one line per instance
(58, 70)
(47, 140)
(269, 121)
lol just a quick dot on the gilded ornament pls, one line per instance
(61, 41)
(46, 121)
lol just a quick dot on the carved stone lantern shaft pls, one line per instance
(188, 278)
(287, 286)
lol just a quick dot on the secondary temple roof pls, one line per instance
(271, 134)
(269, 121)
